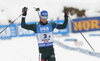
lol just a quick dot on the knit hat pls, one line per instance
(44, 13)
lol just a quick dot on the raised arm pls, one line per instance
(64, 25)
(23, 23)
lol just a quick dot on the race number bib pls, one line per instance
(42, 37)
(45, 39)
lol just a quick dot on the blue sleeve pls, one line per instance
(56, 25)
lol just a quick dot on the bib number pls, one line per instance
(45, 35)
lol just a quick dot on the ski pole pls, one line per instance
(37, 9)
(82, 34)
(11, 23)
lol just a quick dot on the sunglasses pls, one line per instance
(44, 17)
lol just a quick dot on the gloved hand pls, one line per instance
(66, 12)
(24, 11)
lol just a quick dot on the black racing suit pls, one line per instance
(47, 52)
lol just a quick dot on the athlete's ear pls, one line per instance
(40, 17)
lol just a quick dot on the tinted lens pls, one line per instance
(44, 17)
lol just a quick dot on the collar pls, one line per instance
(43, 23)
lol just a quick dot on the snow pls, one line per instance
(26, 48)
(19, 49)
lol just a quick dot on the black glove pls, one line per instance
(24, 11)
(37, 9)
(66, 12)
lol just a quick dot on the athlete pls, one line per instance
(44, 30)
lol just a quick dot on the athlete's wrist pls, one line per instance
(23, 16)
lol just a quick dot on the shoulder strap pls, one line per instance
(53, 25)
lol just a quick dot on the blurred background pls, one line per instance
(18, 44)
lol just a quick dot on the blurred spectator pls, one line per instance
(72, 11)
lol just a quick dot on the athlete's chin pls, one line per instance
(44, 21)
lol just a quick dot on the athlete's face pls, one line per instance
(43, 19)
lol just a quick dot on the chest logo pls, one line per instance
(44, 28)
